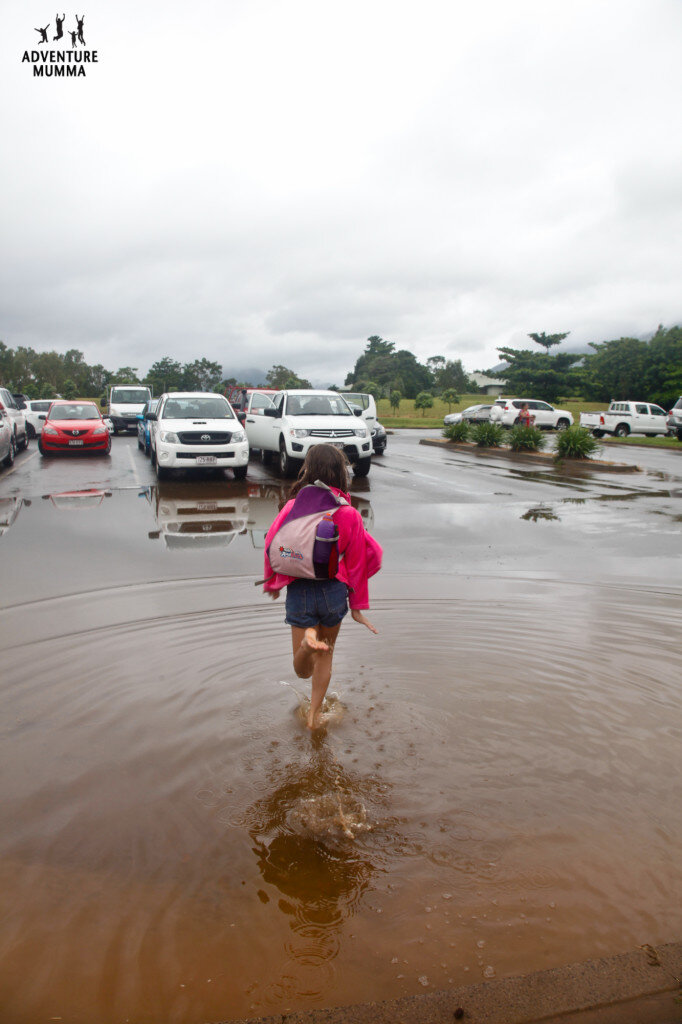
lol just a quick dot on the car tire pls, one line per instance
(287, 465)
(622, 430)
(9, 458)
(266, 457)
(597, 433)
(679, 435)
(140, 444)
(563, 424)
(152, 456)
(362, 466)
(239, 472)
(161, 471)
(30, 430)
(45, 455)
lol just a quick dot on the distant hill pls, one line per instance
(249, 375)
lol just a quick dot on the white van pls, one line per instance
(364, 402)
(126, 402)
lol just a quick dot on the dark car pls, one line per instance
(379, 439)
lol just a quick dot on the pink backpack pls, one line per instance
(306, 544)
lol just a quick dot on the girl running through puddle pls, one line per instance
(320, 587)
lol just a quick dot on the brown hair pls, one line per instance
(323, 462)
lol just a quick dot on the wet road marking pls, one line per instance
(133, 466)
(15, 466)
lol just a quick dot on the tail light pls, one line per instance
(602, 421)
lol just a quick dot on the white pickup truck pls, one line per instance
(288, 423)
(623, 418)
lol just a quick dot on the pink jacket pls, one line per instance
(359, 553)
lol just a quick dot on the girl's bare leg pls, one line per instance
(313, 653)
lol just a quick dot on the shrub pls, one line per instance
(576, 443)
(458, 431)
(488, 435)
(423, 401)
(526, 439)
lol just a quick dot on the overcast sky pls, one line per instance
(273, 181)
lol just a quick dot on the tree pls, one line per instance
(370, 387)
(395, 399)
(450, 396)
(547, 340)
(423, 401)
(201, 375)
(126, 375)
(164, 375)
(281, 377)
(538, 373)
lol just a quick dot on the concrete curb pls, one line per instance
(544, 457)
(641, 987)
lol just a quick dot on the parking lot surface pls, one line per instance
(494, 794)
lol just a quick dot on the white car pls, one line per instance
(507, 410)
(35, 412)
(291, 422)
(195, 430)
(473, 414)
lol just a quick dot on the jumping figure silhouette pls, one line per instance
(60, 31)
(43, 33)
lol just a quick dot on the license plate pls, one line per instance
(207, 506)
(206, 460)
(75, 442)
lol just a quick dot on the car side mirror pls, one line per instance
(150, 415)
(270, 412)
(357, 412)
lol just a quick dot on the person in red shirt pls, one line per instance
(315, 608)
(525, 418)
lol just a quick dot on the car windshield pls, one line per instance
(317, 405)
(197, 408)
(74, 411)
(130, 396)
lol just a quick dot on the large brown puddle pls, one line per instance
(497, 791)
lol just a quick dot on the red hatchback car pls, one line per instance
(74, 427)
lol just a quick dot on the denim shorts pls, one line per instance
(316, 602)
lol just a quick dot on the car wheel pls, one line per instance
(239, 472)
(287, 465)
(563, 425)
(152, 456)
(679, 435)
(9, 458)
(115, 430)
(597, 433)
(362, 466)
(161, 471)
(30, 430)
(266, 457)
(24, 444)
(622, 430)
(107, 450)
(140, 443)
(42, 451)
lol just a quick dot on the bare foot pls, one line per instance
(312, 642)
(315, 720)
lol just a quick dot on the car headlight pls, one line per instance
(239, 435)
(169, 437)
(360, 431)
(379, 430)
(298, 432)
(50, 430)
(100, 430)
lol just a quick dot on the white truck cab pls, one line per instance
(126, 402)
(288, 423)
(623, 418)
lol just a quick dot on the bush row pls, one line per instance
(574, 443)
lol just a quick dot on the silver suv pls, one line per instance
(16, 417)
(675, 419)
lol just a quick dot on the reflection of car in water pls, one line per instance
(209, 517)
(77, 500)
(9, 510)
